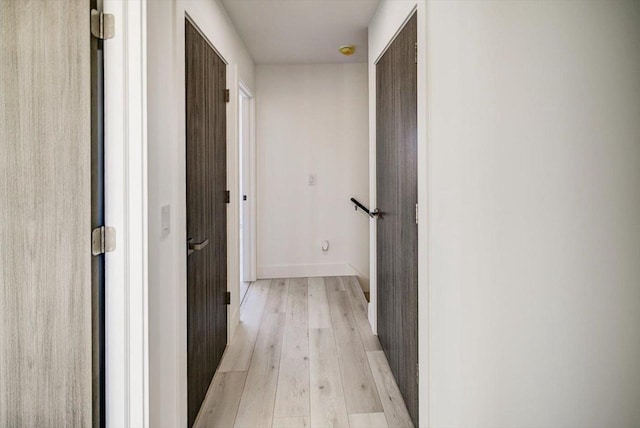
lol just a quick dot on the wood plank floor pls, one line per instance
(304, 356)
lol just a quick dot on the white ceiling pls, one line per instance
(302, 31)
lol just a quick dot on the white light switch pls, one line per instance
(165, 220)
(312, 180)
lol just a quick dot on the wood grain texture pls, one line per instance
(221, 403)
(356, 295)
(359, 304)
(206, 214)
(258, 397)
(237, 356)
(292, 397)
(218, 214)
(45, 214)
(297, 373)
(299, 422)
(199, 281)
(277, 302)
(328, 406)
(397, 196)
(368, 420)
(359, 387)
(319, 314)
(392, 401)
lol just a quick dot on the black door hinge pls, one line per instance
(227, 96)
(227, 298)
(227, 197)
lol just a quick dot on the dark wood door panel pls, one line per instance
(397, 196)
(206, 214)
(219, 210)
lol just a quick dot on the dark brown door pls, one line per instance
(206, 215)
(397, 196)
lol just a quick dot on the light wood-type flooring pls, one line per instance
(304, 356)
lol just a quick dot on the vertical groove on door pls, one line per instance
(206, 214)
(397, 196)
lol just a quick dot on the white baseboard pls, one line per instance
(305, 271)
(362, 278)
(355, 272)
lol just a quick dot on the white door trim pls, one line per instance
(127, 369)
(252, 198)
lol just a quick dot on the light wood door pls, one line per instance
(45, 214)
(206, 215)
(397, 196)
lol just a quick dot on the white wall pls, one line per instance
(166, 157)
(312, 119)
(534, 223)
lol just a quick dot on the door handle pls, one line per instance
(195, 246)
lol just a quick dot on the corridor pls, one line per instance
(304, 356)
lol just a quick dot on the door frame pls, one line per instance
(127, 356)
(98, 220)
(245, 92)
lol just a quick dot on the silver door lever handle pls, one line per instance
(196, 246)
